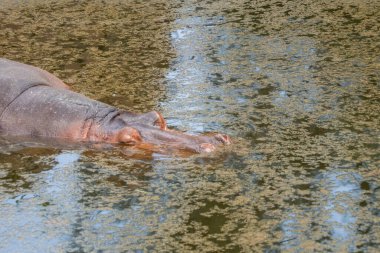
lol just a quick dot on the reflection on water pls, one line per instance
(37, 218)
(296, 85)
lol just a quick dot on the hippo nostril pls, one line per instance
(207, 148)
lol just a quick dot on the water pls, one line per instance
(296, 84)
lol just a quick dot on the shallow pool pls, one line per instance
(295, 83)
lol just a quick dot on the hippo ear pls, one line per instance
(128, 135)
(159, 120)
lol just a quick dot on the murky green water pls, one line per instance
(295, 83)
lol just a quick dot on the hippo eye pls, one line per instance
(207, 148)
(126, 139)
(129, 136)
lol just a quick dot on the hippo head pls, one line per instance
(150, 131)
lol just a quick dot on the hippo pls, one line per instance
(35, 103)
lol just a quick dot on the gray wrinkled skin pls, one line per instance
(295, 83)
(37, 104)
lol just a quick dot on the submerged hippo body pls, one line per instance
(35, 103)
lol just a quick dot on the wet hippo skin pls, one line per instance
(35, 103)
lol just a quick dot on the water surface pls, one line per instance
(295, 83)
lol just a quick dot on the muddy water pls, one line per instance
(296, 83)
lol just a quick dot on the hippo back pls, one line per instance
(16, 78)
